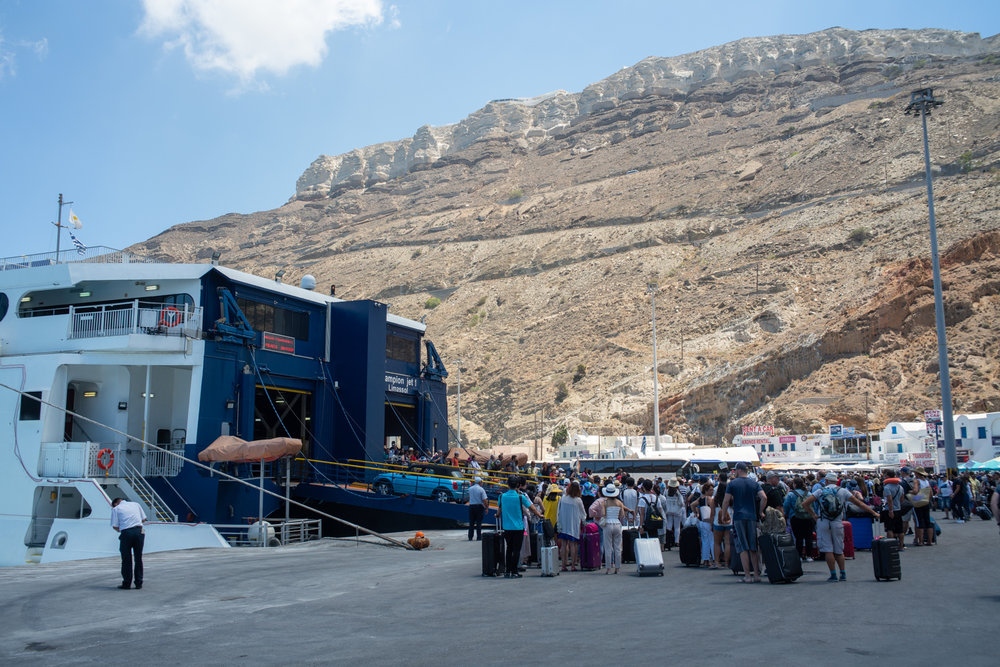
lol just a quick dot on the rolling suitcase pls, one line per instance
(648, 557)
(549, 560)
(590, 547)
(863, 531)
(690, 546)
(848, 540)
(493, 553)
(629, 535)
(782, 562)
(885, 558)
(533, 541)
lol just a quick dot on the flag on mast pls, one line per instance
(74, 221)
(80, 247)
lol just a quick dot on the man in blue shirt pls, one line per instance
(748, 501)
(510, 515)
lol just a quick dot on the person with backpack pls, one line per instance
(799, 517)
(832, 502)
(650, 518)
(674, 512)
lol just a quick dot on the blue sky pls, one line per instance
(152, 113)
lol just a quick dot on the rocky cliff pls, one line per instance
(772, 188)
(747, 62)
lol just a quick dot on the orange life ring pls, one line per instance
(100, 459)
(169, 317)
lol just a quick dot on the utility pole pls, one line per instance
(924, 102)
(652, 289)
(868, 437)
(458, 406)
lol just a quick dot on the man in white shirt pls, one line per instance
(127, 519)
(478, 505)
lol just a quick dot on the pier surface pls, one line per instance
(337, 600)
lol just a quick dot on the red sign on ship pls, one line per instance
(276, 343)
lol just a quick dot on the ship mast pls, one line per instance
(59, 225)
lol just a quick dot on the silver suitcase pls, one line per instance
(648, 557)
(548, 558)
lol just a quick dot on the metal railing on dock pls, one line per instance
(284, 532)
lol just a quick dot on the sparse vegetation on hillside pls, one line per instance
(965, 162)
(859, 235)
(432, 303)
(562, 392)
(892, 71)
(560, 436)
(581, 372)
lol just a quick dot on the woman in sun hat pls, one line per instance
(613, 510)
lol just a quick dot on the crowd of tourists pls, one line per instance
(730, 510)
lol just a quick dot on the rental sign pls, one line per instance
(758, 430)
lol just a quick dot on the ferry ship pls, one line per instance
(116, 371)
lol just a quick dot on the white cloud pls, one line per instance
(244, 37)
(8, 53)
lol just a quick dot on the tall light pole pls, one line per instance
(458, 406)
(923, 101)
(651, 290)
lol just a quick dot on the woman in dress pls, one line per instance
(570, 516)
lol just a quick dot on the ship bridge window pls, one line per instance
(282, 321)
(401, 348)
(43, 304)
(4, 303)
(31, 406)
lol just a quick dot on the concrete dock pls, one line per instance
(337, 600)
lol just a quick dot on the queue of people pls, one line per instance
(731, 512)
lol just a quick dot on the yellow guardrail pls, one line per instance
(382, 467)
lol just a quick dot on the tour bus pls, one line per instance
(675, 462)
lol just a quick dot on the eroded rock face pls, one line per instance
(798, 297)
(704, 75)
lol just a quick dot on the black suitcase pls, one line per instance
(885, 558)
(735, 562)
(984, 513)
(629, 536)
(493, 554)
(782, 562)
(690, 546)
(533, 538)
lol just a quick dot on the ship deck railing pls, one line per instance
(93, 255)
(290, 531)
(133, 317)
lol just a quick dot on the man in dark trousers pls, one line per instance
(127, 519)
(478, 504)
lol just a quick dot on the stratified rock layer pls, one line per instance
(772, 187)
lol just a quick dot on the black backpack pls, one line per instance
(653, 521)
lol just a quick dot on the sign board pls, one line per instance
(401, 384)
(932, 415)
(758, 430)
(786, 439)
(273, 342)
(922, 459)
(749, 442)
(836, 429)
(848, 430)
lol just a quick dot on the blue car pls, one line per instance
(424, 480)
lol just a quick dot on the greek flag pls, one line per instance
(643, 444)
(80, 248)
